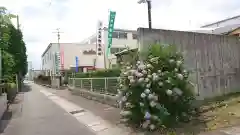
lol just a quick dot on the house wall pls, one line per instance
(235, 32)
(213, 59)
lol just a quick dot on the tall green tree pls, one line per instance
(13, 48)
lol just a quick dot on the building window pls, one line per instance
(122, 35)
(116, 50)
(134, 36)
(115, 35)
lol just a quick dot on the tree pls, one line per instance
(14, 58)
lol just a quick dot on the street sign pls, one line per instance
(110, 29)
(57, 62)
(76, 59)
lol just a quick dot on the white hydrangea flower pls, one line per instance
(141, 67)
(180, 76)
(171, 60)
(155, 97)
(141, 104)
(138, 62)
(139, 74)
(169, 92)
(168, 81)
(130, 77)
(154, 117)
(147, 91)
(160, 83)
(152, 126)
(128, 105)
(178, 91)
(179, 62)
(155, 78)
(149, 65)
(149, 76)
(121, 85)
(140, 80)
(150, 96)
(153, 104)
(154, 74)
(132, 81)
(143, 95)
(144, 72)
(159, 71)
(125, 113)
(147, 80)
(128, 67)
(132, 71)
(176, 70)
(148, 85)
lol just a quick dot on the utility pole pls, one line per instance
(149, 5)
(18, 24)
(58, 41)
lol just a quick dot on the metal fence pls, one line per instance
(107, 85)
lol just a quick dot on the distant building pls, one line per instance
(85, 52)
(229, 26)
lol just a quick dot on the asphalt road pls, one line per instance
(35, 114)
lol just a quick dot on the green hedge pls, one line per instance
(100, 73)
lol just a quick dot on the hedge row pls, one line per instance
(99, 73)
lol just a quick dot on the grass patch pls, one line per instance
(215, 113)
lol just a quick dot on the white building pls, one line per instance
(121, 39)
(69, 51)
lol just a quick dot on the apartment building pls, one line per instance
(121, 39)
(68, 52)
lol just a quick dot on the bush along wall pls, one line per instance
(155, 92)
(100, 73)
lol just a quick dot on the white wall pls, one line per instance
(119, 43)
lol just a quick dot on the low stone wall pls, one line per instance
(102, 98)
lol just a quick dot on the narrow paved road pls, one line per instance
(37, 115)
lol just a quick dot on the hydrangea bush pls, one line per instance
(155, 93)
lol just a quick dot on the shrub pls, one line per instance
(100, 73)
(155, 93)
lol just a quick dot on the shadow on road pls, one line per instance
(5, 119)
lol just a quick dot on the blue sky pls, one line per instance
(77, 19)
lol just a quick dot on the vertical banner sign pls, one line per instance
(57, 62)
(76, 59)
(62, 58)
(110, 29)
(99, 39)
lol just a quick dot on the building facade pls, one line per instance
(68, 52)
(121, 39)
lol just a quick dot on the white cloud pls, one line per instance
(77, 19)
